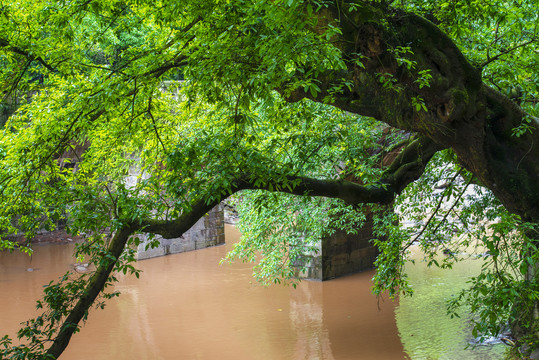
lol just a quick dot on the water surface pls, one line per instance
(186, 306)
(426, 330)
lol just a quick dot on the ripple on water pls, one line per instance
(426, 331)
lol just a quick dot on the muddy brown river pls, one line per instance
(187, 306)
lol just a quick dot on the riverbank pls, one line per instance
(59, 236)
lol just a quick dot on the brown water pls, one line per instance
(186, 306)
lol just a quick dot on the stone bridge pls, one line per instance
(337, 255)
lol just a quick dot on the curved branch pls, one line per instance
(411, 162)
(406, 168)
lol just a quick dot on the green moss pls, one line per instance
(459, 96)
(367, 14)
(438, 81)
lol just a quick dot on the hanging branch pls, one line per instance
(96, 284)
(435, 212)
(154, 125)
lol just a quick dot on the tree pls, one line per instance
(286, 97)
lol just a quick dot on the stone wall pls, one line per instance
(208, 231)
(10, 104)
(340, 254)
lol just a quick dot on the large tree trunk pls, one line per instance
(461, 113)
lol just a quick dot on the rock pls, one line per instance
(442, 185)
(81, 267)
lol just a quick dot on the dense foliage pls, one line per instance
(285, 101)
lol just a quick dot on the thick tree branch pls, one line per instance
(459, 112)
(94, 288)
(406, 168)
(410, 163)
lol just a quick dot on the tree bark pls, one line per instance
(461, 112)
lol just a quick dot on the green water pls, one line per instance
(424, 327)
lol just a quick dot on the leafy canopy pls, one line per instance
(191, 97)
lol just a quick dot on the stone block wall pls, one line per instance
(207, 231)
(344, 253)
(310, 263)
(340, 254)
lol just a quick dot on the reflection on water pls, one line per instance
(186, 306)
(426, 330)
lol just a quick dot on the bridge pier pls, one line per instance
(340, 254)
(337, 255)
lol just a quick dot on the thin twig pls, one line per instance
(434, 213)
(113, 200)
(16, 82)
(154, 125)
(454, 204)
(505, 52)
